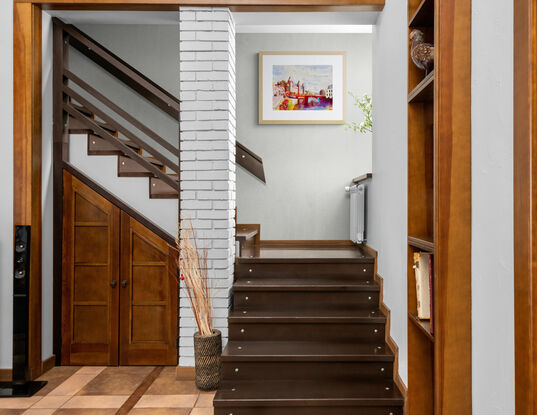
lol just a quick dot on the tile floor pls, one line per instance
(105, 391)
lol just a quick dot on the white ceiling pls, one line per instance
(311, 22)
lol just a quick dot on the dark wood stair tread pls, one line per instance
(158, 189)
(296, 351)
(307, 393)
(308, 316)
(312, 254)
(303, 284)
(244, 233)
(100, 147)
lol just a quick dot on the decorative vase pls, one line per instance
(207, 355)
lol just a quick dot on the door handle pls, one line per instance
(113, 283)
(124, 283)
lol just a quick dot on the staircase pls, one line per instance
(109, 129)
(307, 337)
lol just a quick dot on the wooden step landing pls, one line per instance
(271, 351)
(298, 316)
(329, 283)
(307, 394)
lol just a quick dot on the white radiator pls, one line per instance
(357, 228)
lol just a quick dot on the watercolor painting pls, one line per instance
(302, 87)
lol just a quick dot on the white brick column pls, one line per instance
(207, 136)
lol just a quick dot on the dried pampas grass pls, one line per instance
(193, 272)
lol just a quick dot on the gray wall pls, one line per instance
(492, 208)
(6, 184)
(152, 50)
(388, 190)
(306, 166)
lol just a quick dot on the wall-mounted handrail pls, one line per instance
(122, 113)
(121, 69)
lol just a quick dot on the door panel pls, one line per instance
(148, 297)
(91, 227)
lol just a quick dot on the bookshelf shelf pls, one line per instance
(424, 15)
(424, 91)
(422, 165)
(425, 243)
(423, 325)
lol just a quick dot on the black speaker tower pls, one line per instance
(20, 385)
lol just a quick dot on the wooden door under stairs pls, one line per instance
(119, 293)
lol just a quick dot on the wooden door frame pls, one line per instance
(525, 204)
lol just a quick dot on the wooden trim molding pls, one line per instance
(260, 5)
(525, 204)
(27, 156)
(46, 365)
(453, 206)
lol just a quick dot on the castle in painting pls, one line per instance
(294, 95)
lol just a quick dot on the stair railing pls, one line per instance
(93, 102)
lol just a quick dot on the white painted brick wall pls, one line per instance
(207, 76)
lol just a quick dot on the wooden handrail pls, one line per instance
(122, 113)
(121, 69)
(118, 127)
(118, 144)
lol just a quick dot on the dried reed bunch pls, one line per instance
(192, 263)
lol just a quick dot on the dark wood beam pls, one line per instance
(525, 204)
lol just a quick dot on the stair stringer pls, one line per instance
(133, 191)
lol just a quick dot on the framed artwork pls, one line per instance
(302, 87)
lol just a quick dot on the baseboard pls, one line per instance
(5, 375)
(185, 372)
(388, 338)
(46, 365)
(301, 243)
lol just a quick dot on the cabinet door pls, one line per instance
(148, 297)
(90, 274)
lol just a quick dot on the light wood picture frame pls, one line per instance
(302, 87)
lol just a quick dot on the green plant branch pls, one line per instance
(364, 104)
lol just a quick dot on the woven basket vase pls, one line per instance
(207, 353)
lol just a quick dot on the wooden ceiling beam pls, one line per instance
(235, 5)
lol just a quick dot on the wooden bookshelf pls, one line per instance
(421, 212)
(439, 210)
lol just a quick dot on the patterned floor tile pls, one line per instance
(72, 385)
(167, 401)
(52, 402)
(116, 381)
(18, 403)
(205, 400)
(90, 402)
(55, 377)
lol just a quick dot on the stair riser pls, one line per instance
(309, 410)
(305, 270)
(329, 300)
(307, 370)
(350, 332)
(98, 146)
(127, 167)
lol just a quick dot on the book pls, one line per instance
(423, 284)
(431, 291)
